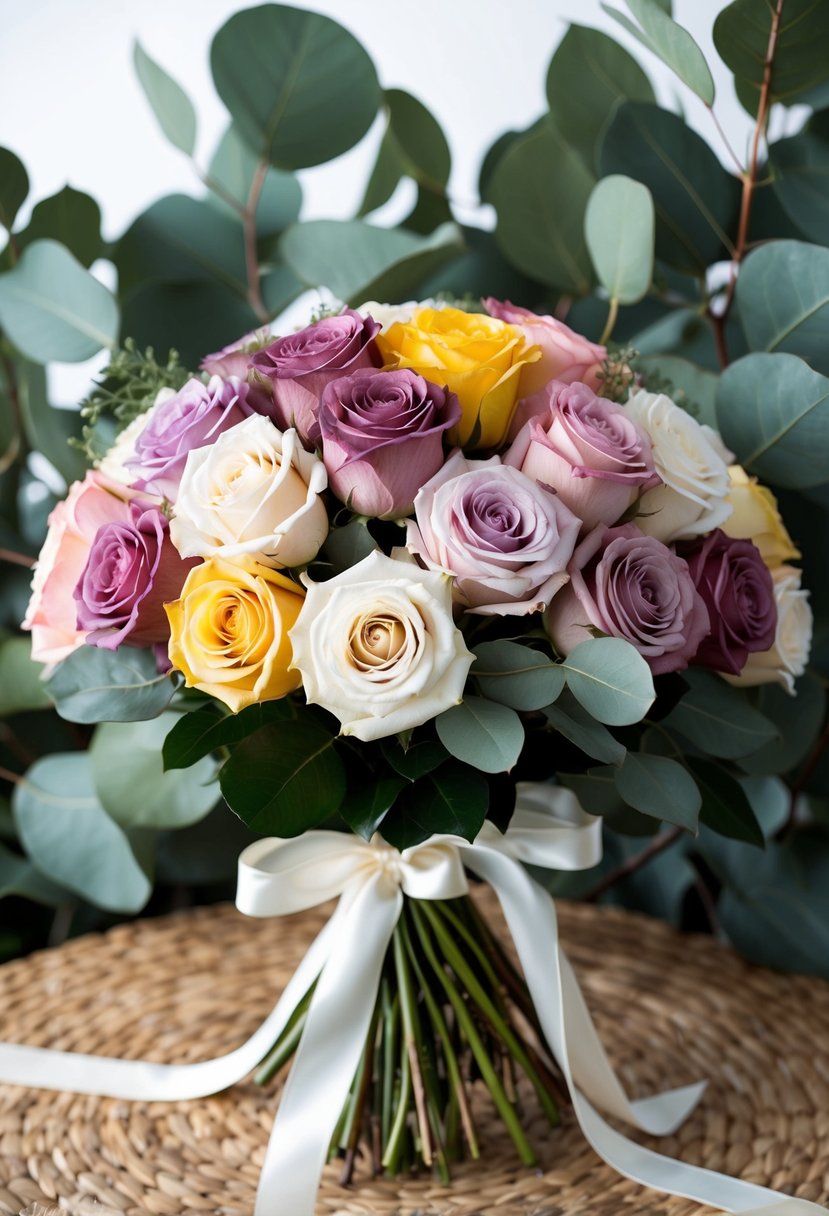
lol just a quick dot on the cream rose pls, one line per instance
(254, 492)
(787, 658)
(377, 646)
(693, 464)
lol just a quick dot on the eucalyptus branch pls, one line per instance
(249, 225)
(16, 559)
(738, 164)
(658, 845)
(7, 775)
(801, 780)
(218, 189)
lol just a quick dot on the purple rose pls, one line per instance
(190, 418)
(506, 541)
(589, 451)
(300, 365)
(132, 569)
(382, 437)
(233, 360)
(630, 586)
(738, 590)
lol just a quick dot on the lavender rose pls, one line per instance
(382, 436)
(506, 541)
(300, 365)
(738, 590)
(630, 586)
(233, 359)
(132, 569)
(179, 422)
(589, 451)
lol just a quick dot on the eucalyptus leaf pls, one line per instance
(798, 720)
(674, 45)
(453, 800)
(193, 318)
(619, 230)
(194, 735)
(47, 429)
(97, 685)
(482, 733)
(419, 757)
(725, 809)
(660, 787)
(171, 105)
(773, 412)
(70, 837)
(782, 297)
(742, 33)
(611, 680)
(300, 88)
(18, 876)
(21, 683)
(70, 217)
(413, 146)
(516, 675)
(800, 169)
(596, 789)
(571, 720)
(692, 387)
(719, 719)
(14, 187)
(51, 308)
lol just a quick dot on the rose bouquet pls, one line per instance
(408, 574)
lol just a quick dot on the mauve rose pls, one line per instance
(565, 355)
(506, 541)
(131, 570)
(190, 418)
(300, 365)
(738, 590)
(382, 437)
(630, 586)
(589, 451)
(233, 360)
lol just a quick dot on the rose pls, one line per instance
(388, 314)
(693, 464)
(630, 586)
(589, 451)
(229, 631)
(254, 492)
(382, 437)
(738, 591)
(506, 541)
(299, 366)
(377, 647)
(232, 361)
(565, 355)
(177, 423)
(786, 659)
(755, 517)
(478, 357)
(73, 524)
(131, 569)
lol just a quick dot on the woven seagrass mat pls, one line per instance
(196, 984)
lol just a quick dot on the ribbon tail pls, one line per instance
(530, 916)
(328, 1055)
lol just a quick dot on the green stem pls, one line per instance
(283, 1049)
(411, 1040)
(391, 1024)
(397, 1135)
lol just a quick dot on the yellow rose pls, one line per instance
(229, 631)
(478, 357)
(755, 517)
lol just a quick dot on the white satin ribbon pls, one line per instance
(277, 877)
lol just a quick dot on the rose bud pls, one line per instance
(589, 451)
(630, 586)
(131, 570)
(233, 360)
(382, 438)
(506, 541)
(738, 590)
(300, 365)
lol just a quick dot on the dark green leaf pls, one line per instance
(452, 800)
(413, 146)
(482, 733)
(365, 808)
(670, 42)
(696, 200)
(725, 807)
(191, 317)
(284, 779)
(97, 685)
(576, 724)
(197, 734)
(692, 387)
(206, 852)
(299, 87)
(516, 675)
(70, 217)
(171, 105)
(782, 297)
(346, 546)
(800, 167)
(49, 430)
(596, 789)
(416, 760)
(773, 412)
(660, 787)
(798, 720)
(233, 168)
(21, 685)
(719, 719)
(494, 154)
(19, 877)
(741, 36)
(14, 186)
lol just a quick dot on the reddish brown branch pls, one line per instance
(251, 258)
(658, 845)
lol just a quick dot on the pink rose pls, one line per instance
(565, 355)
(234, 359)
(630, 586)
(382, 437)
(300, 365)
(589, 451)
(73, 524)
(506, 541)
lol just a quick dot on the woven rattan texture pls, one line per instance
(194, 985)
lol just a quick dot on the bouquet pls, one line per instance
(407, 575)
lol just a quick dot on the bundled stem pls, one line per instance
(452, 1012)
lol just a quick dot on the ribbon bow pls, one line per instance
(278, 877)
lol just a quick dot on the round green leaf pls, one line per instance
(572, 721)
(452, 800)
(49, 430)
(482, 733)
(660, 787)
(70, 217)
(299, 87)
(611, 680)
(70, 837)
(21, 686)
(190, 317)
(97, 685)
(741, 36)
(800, 169)
(171, 105)
(19, 877)
(619, 230)
(516, 675)
(131, 783)
(53, 309)
(14, 186)
(773, 412)
(783, 300)
(658, 31)
(540, 188)
(719, 719)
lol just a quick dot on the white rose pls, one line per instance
(693, 464)
(378, 648)
(254, 492)
(114, 464)
(389, 314)
(787, 658)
